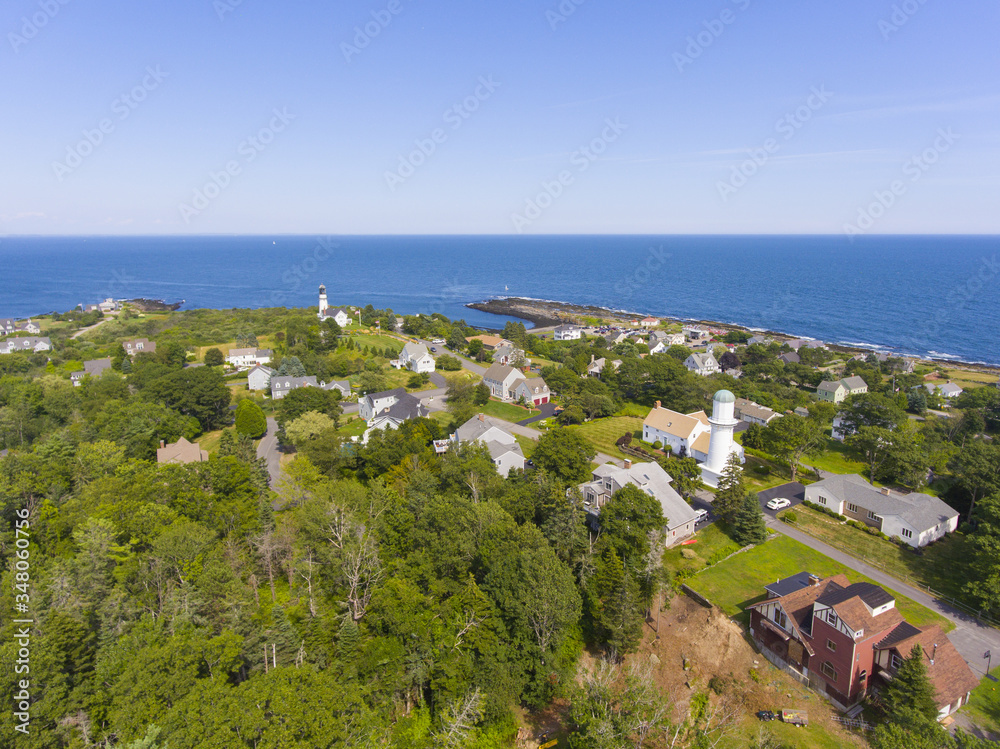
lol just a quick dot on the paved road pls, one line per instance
(267, 448)
(547, 410)
(97, 324)
(970, 637)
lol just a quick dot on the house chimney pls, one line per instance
(656, 405)
(163, 443)
(628, 463)
(934, 654)
(885, 490)
(592, 359)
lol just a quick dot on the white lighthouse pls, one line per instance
(323, 304)
(721, 444)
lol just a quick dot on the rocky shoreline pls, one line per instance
(154, 305)
(545, 313)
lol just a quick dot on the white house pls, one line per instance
(389, 409)
(918, 519)
(946, 390)
(597, 366)
(282, 385)
(244, 358)
(684, 434)
(651, 479)
(259, 378)
(567, 333)
(754, 413)
(532, 390)
(501, 380)
(702, 364)
(502, 445)
(29, 327)
(340, 315)
(416, 357)
(31, 343)
(7, 325)
(649, 322)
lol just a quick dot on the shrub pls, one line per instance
(688, 553)
(790, 517)
(250, 419)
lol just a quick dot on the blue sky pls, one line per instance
(581, 117)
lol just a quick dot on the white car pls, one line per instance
(777, 503)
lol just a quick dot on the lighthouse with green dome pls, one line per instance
(721, 443)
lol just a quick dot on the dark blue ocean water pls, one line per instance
(935, 296)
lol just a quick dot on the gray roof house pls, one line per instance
(389, 409)
(790, 358)
(93, 368)
(946, 390)
(650, 478)
(259, 377)
(30, 343)
(7, 325)
(283, 385)
(501, 444)
(918, 519)
(754, 413)
(702, 364)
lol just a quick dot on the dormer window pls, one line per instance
(831, 617)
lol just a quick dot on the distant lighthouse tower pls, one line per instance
(721, 443)
(323, 304)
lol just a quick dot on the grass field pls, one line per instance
(984, 705)
(352, 427)
(739, 581)
(710, 541)
(965, 378)
(936, 567)
(210, 441)
(602, 433)
(508, 411)
(834, 459)
(527, 444)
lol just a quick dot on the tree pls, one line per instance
(199, 392)
(871, 410)
(291, 366)
(448, 363)
(564, 454)
(748, 524)
(729, 361)
(304, 400)
(626, 520)
(686, 475)
(214, 358)
(618, 611)
(909, 697)
(753, 437)
(250, 419)
(791, 437)
(731, 491)
(978, 471)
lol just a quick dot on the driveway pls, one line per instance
(267, 449)
(547, 411)
(793, 491)
(97, 324)
(970, 637)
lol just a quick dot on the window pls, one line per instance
(831, 617)
(828, 670)
(779, 618)
(852, 508)
(895, 661)
(822, 500)
(906, 533)
(872, 515)
(831, 645)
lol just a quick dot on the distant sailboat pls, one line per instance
(506, 288)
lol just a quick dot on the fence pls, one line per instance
(853, 723)
(911, 581)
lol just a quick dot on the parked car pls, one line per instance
(778, 503)
(433, 349)
(700, 516)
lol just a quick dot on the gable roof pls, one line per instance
(791, 584)
(654, 481)
(181, 451)
(798, 606)
(830, 386)
(703, 361)
(920, 511)
(671, 422)
(500, 373)
(478, 426)
(946, 668)
(854, 382)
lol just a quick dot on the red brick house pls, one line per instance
(845, 638)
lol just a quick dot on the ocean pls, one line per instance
(933, 296)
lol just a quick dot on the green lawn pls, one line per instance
(210, 441)
(935, 567)
(634, 409)
(834, 459)
(711, 540)
(354, 426)
(739, 581)
(602, 433)
(984, 705)
(527, 444)
(508, 411)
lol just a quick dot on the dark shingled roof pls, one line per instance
(790, 584)
(870, 593)
(903, 631)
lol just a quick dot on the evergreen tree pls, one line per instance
(250, 419)
(909, 697)
(748, 524)
(732, 490)
(126, 366)
(618, 615)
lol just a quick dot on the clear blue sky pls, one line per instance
(688, 122)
